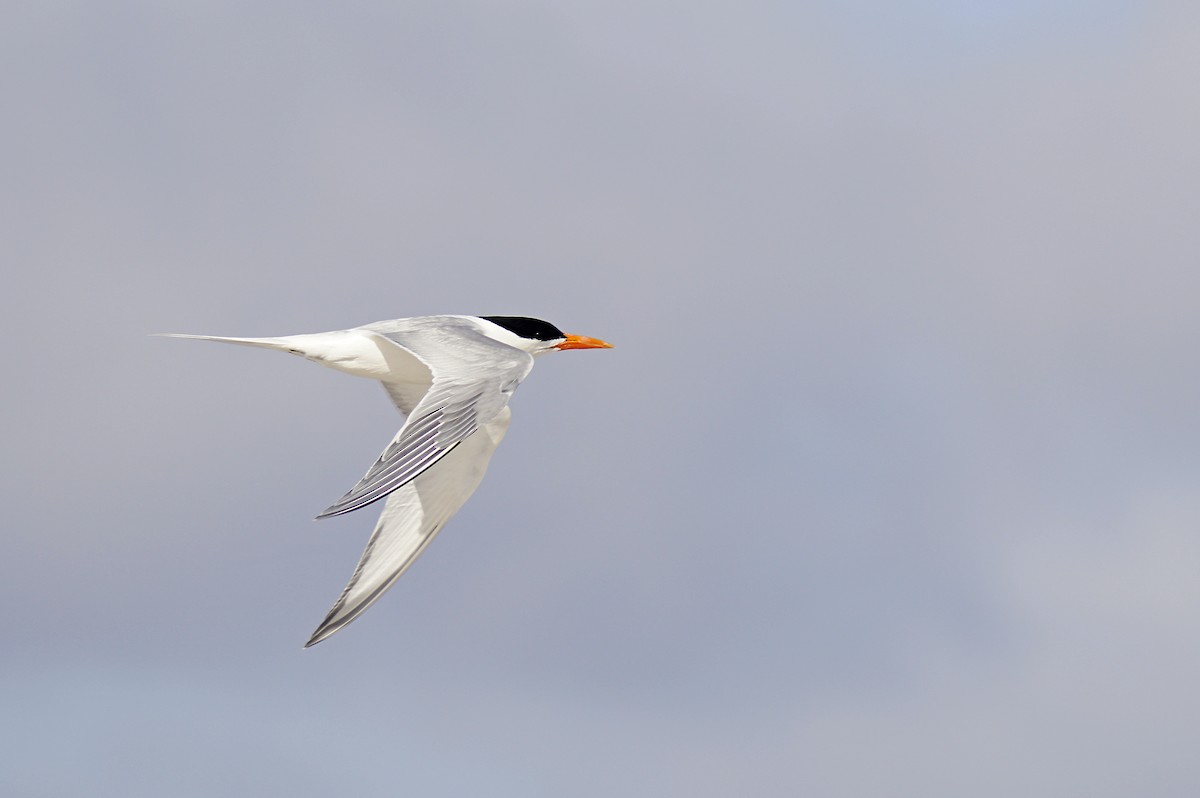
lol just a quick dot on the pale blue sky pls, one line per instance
(889, 487)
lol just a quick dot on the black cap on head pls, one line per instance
(534, 329)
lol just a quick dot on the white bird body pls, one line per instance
(452, 377)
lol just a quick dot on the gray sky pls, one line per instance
(889, 488)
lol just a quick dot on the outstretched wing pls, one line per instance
(473, 378)
(412, 515)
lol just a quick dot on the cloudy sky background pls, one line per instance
(889, 488)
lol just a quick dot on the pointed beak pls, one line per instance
(583, 342)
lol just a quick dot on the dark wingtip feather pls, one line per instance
(329, 626)
(341, 506)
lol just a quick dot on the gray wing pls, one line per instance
(473, 378)
(412, 515)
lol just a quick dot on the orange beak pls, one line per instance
(583, 342)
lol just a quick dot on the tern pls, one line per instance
(451, 377)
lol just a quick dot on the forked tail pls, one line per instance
(265, 343)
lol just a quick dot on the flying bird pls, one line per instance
(451, 377)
